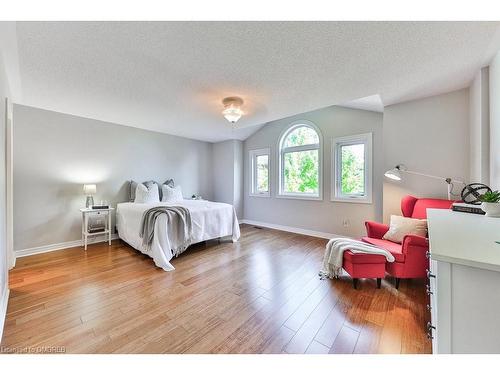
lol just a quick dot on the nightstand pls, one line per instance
(88, 212)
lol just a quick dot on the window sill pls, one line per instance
(352, 200)
(299, 197)
(260, 195)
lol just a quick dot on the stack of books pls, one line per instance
(469, 208)
(100, 207)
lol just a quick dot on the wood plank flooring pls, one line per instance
(260, 295)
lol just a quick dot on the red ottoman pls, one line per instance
(364, 266)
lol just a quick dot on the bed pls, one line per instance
(211, 220)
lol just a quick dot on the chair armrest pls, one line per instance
(376, 230)
(415, 250)
(412, 240)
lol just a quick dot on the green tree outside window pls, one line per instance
(353, 169)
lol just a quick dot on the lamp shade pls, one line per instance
(89, 189)
(393, 174)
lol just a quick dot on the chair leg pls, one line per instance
(379, 282)
(355, 283)
(397, 282)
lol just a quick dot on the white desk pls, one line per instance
(86, 213)
(464, 283)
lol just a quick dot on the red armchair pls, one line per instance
(410, 256)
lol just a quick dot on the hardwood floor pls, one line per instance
(260, 295)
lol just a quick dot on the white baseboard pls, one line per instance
(69, 244)
(285, 228)
(3, 309)
(59, 246)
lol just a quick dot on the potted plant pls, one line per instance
(491, 203)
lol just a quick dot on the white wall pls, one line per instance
(55, 154)
(10, 57)
(495, 123)
(4, 93)
(228, 173)
(431, 136)
(321, 216)
(479, 128)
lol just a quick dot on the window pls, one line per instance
(352, 168)
(300, 157)
(259, 169)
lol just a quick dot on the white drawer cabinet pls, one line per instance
(440, 287)
(432, 292)
(465, 292)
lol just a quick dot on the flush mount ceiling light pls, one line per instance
(232, 108)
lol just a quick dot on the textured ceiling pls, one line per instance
(171, 76)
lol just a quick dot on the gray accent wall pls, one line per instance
(55, 154)
(479, 129)
(228, 174)
(430, 136)
(494, 138)
(324, 215)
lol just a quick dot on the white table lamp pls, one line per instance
(89, 190)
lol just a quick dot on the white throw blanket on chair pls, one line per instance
(334, 254)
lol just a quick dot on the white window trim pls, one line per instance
(253, 192)
(280, 162)
(336, 196)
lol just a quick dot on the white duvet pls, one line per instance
(210, 220)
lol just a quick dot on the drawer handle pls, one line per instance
(429, 307)
(428, 290)
(429, 274)
(430, 327)
(428, 254)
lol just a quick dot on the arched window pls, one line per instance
(300, 162)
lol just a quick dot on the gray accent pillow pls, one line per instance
(169, 183)
(131, 192)
(133, 187)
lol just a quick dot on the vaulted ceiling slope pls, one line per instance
(171, 76)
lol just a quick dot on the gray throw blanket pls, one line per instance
(179, 227)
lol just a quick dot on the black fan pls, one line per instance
(471, 193)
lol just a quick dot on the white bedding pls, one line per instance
(210, 220)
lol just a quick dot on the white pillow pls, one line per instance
(148, 194)
(401, 226)
(170, 194)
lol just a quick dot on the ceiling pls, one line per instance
(171, 76)
(368, 103)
